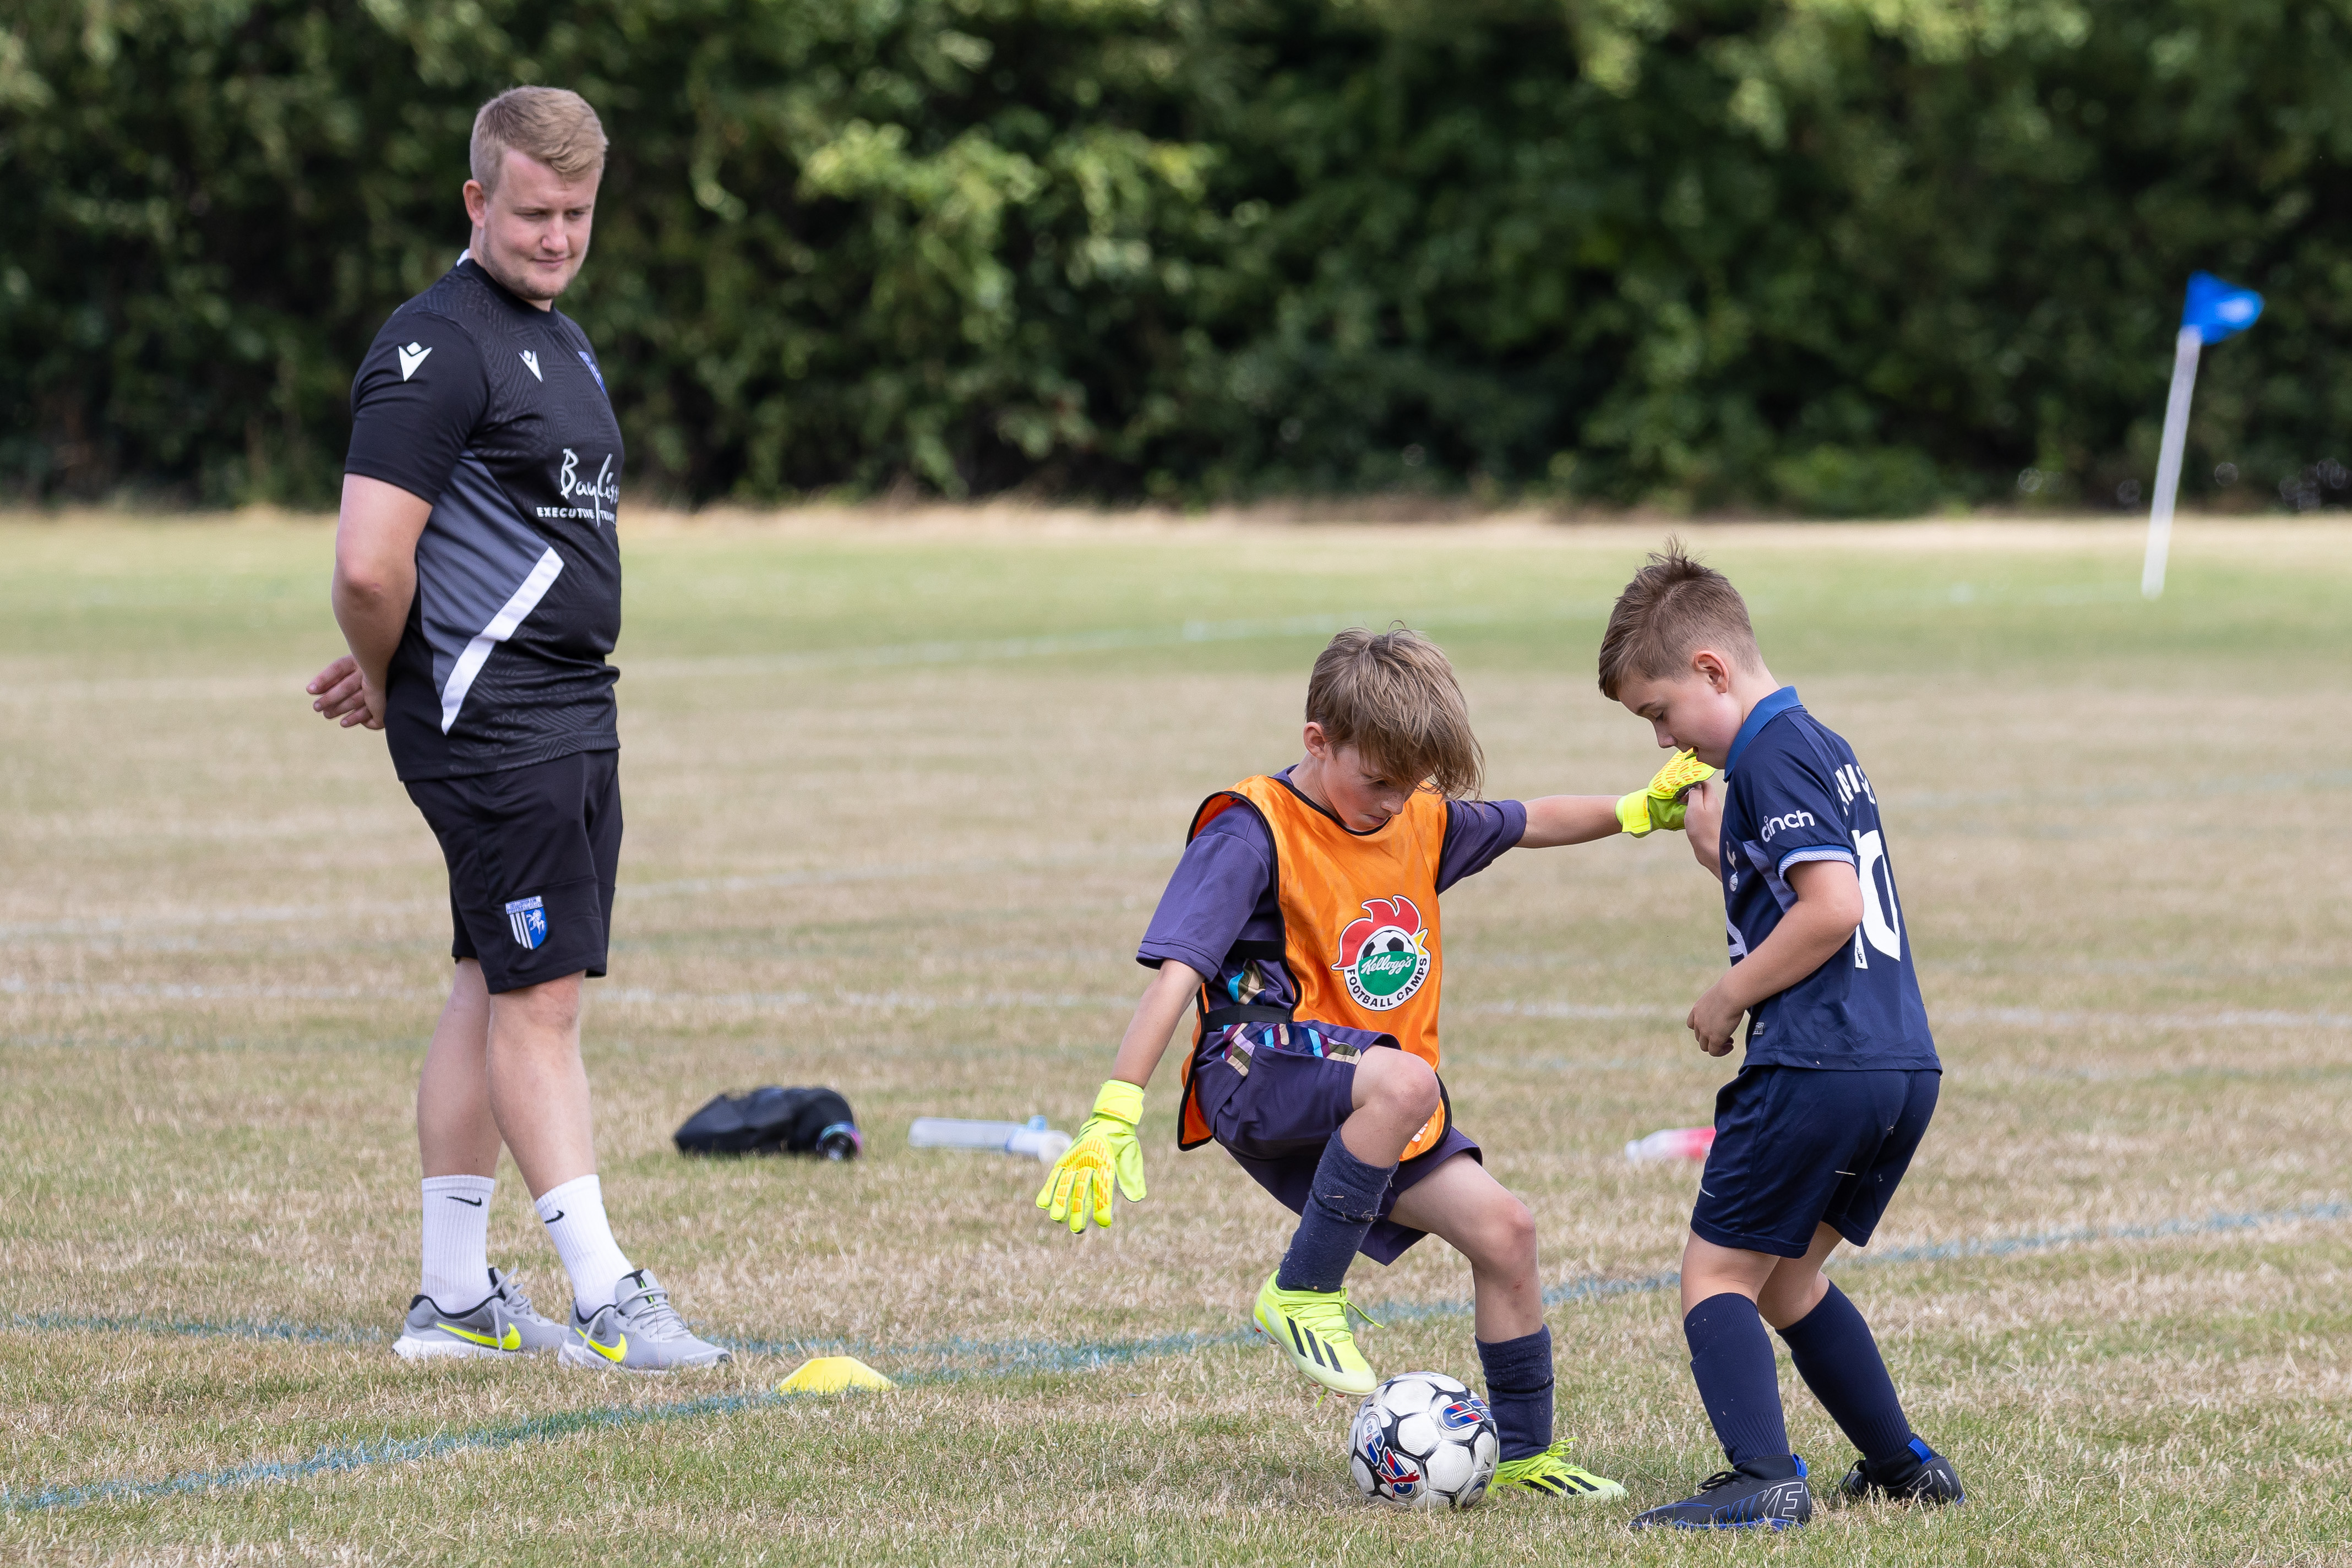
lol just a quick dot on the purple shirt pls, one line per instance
(1222, 890)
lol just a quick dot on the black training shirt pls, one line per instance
(495, 410)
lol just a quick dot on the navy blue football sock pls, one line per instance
(1519, 1391)
(1839, 1362)
(1343, 1202)
(1731, 1357)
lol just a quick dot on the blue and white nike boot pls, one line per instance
(638, 1331)
(1920, 1476)
(500, 1324)
(1733, 1499)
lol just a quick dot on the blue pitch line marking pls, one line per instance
(1042, 1354)
(1057, 1355)
(327, 1461)
(1051, 1355)
(2002, 1245)
(1595, 1288)
(261, 1329)
(1023, 1356)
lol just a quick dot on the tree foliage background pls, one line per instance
(1833, 256)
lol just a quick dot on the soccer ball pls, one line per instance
(1423, 1440)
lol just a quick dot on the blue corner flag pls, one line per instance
(2214, 311)
(2218, 309)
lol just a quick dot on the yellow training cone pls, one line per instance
(831, 1375)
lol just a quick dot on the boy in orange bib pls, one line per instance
(1302, 927)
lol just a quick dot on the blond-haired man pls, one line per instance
(477, 582)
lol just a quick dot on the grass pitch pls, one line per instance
(900, 799)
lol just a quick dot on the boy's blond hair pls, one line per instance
(1672, 608)
(553, 124)
(1392, 696)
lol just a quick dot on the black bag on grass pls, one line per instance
(771, 1120)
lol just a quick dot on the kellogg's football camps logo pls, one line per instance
(1384, 954)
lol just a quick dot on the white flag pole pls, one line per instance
(2168, 462)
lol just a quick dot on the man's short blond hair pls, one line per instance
(552, 124)
(1392, 696)
(1672, 608)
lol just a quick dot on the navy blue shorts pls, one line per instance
(1275, 1117)
(1796, 1148)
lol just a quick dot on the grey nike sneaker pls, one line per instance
(501, 1324)
(639, 1331)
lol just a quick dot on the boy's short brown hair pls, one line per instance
(1392, 696)
(553, 124)
(1672, 608)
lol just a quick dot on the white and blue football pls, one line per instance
(1423, 1440)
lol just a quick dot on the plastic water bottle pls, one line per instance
(1039, 1140)
(1032, 1138)
(1671, 1143)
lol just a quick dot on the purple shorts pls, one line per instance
(1276, 1104)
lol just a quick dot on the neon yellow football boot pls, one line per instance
(1311, 1327)
(1548, 1474)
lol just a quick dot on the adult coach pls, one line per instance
(477, 582)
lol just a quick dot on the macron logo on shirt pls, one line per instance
(531, 364)
(410, 358)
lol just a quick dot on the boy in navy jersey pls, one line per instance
(1840, 1075)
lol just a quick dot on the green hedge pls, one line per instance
(1835, 256)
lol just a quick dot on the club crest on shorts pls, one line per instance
(1384, 954)
(529, 918)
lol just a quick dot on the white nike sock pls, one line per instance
(457, 1240)
(574, 1214)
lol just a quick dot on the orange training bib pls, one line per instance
(1360, 922)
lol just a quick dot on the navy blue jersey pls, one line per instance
(495, 412)
(1794, 793)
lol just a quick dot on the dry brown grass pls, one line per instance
(918, 873)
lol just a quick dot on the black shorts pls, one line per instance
(1276, 1119)
(533, 854)
(1796, 1148)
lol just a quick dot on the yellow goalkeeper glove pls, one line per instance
(1661, 804)
(1106, 1145)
